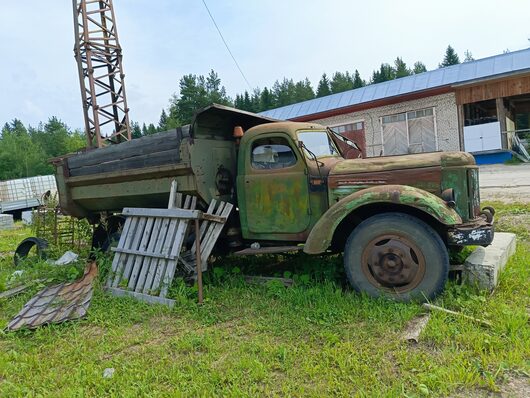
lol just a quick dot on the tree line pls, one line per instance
(25, 151)
(196, 91)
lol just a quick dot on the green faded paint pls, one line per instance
(456, 178)
(275, 202)
(321, 235)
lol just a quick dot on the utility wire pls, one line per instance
(226, 45)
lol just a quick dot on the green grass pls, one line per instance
(315, 339)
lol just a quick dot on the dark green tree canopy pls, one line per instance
(419, 67)
(450, 57)
(323, 87)
(341, 82)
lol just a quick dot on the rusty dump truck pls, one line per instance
(395, 218)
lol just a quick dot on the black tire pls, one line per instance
(25, 247)
(397, 256)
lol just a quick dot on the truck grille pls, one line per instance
(473, 192)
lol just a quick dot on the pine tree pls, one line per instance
(144, 129)
(323, 88)
(450, 58)
(136, 131)
(357, 81)
(162, 123)
(419, 67)
(385, 73)
(341, 82)
(266, 100)
(303, 91)
(401, 69)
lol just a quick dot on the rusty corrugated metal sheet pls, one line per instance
(57, 303)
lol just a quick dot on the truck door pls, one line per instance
(275, 186)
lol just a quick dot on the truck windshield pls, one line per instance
(319, 143)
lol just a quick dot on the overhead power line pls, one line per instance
(226, 45)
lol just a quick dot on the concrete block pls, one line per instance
(27, 217)
(6, 221)
(483, 267)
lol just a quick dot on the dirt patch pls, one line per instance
(514, 387)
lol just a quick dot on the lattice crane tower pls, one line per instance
(99, 61)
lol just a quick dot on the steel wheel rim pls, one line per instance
(394, 263)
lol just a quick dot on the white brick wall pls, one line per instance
(446, 121)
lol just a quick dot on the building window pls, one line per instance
(344, 128)
(409, 132)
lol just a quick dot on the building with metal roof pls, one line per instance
(434, 110)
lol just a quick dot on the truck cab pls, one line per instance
(394, 218)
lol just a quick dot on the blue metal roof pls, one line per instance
(502, 64)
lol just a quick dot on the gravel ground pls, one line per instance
(506, 183)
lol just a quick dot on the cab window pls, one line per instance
(272, 153)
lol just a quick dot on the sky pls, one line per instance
(162, 40)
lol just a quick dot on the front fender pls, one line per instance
(322, 233)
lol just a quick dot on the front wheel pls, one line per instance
(398, 256)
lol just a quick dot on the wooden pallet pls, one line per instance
(151, 243)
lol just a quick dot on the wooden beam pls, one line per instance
(460, 111)
(501, 116)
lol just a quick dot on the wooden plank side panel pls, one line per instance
(142, 146)
(166, 213)
(146, 262)
(122, 258)
(493, 89)
(142, 297)
(124, 165)
(153, 263)
(117, 256)
(138, 261)
(159, 268)
(134, 246)
(214, 235)
(176, 248)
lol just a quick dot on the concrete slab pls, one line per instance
(483, 267)
(6, 221)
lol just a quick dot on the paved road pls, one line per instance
(506, 183)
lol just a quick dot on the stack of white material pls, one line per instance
(6, 222)
(27, 188)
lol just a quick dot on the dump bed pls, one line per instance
(138, 173)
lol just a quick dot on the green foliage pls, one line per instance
(419, 67)
(196, 92)
(357, 81)
(386, 72)
(450, 58)
(24, 152)
(341, 82)
(323, 87)
(400, 68)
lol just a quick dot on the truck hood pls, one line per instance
(402, 162)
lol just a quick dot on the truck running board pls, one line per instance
(269, 250)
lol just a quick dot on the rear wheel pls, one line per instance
(397, 256)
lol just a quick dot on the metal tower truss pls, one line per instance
(99, 60)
